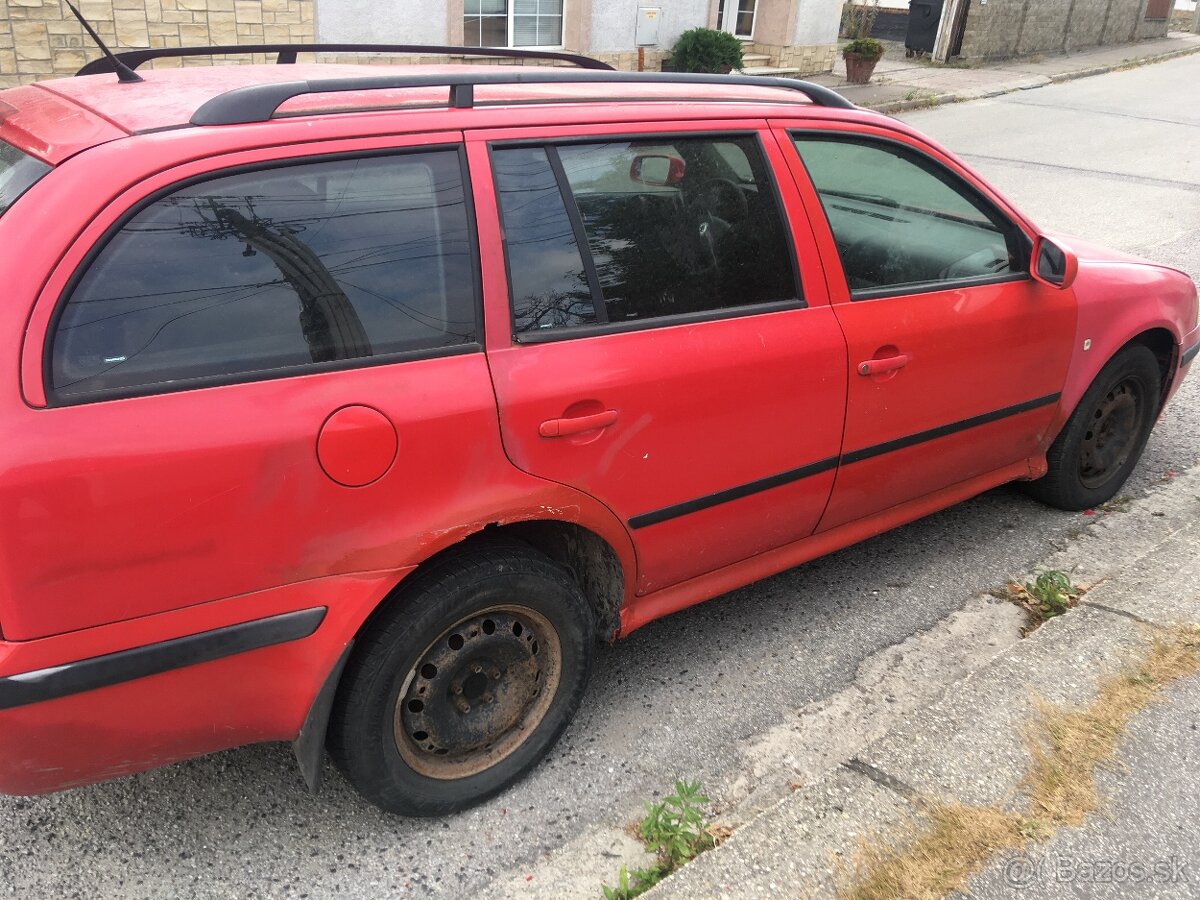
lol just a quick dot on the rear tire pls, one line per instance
(464, 683)
(1103, 440)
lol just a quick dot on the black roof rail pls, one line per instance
(258, 102)
(287, 54)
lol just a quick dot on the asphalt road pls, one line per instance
(1112, 158)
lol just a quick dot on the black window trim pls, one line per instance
(934, 167)
(54, 401)
(549, 143)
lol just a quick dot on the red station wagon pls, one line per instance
(351, 406)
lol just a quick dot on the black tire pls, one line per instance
(499, 630)
(1104, 438)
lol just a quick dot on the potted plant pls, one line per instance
(861, 55)
(706, 50)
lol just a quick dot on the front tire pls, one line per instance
(461, 686)
(1103, 440)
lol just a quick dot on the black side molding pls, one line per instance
(1189, 354)
(733, 493)
(824, 465)
(126, 665)
(951, 428)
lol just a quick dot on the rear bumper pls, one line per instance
(97, 704)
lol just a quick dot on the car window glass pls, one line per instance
(274, 269)
(545, 267)
(898, 220)
(18, 173)
(672, 228)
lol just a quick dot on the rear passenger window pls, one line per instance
(626, 231)
(275, 270)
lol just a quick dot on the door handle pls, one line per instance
(577, 424)
(887, 364)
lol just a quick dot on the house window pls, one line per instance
(512, 23)
(737, 17)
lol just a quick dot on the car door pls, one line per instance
(956, 356)
(650, 342)
(262, 368)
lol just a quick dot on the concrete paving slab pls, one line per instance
(795, 849)
(1144, 842)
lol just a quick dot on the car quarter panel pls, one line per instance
(123, 508)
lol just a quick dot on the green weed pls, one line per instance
(676, 831)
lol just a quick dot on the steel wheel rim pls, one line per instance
(1111, 434)
(476, 692)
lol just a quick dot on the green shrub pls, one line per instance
(868, 47)
(706, 50)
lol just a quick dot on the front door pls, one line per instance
(658, 351)
(956, 356)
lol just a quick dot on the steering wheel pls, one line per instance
(714, 208)
(720, 198)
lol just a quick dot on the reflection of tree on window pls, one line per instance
(311, 263)
(327, 318)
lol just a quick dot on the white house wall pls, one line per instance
(614, 22)
(372, 22)
(817, 22)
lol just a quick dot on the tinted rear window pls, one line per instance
(274, 271)
(18, 173)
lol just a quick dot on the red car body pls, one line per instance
(181, 572)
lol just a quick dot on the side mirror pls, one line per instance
(1053, 264)
(657, 170)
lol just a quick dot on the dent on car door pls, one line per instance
(661, 355)
(957, 356)
(253, 377)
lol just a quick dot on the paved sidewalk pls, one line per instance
(968, 747)
(900, 83)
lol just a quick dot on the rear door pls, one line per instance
(653, 340)
(956, 355)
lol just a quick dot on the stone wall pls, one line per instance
(810, 60)
(1004, 28)
(40, 38)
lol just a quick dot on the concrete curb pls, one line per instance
(966, 745)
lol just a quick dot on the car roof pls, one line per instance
(58, 117)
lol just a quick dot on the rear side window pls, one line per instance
(626, 231)
(18, 173)
(274, 271)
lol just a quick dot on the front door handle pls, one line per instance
(887, 364)
(577, 424)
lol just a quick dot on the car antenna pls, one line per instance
(125, 75)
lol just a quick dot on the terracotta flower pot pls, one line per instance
(859, 68)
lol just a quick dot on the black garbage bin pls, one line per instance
(923, 19)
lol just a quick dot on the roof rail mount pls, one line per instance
(287, 54)
(258, 102)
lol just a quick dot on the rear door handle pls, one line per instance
(887, 364)
(577, 424)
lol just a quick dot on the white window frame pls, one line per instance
(511, 15)
(731, 24)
